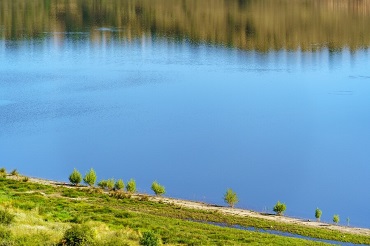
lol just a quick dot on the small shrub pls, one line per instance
(25, 179)
(6, 218)
(131, 186)
(75, 178)
(119, 195)
(119, 185)
(110, 184)
(90, 177)
(14, 172)
(103, 184)
(78, 235)
(336, 219)
(231, 198)
(318, 214)
(279, 208)
(2, 172)
(158, 189)
(150, 239)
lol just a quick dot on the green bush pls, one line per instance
(336, 219)
(150, 239)
(119, 185)
(110, 184)
(158, 189)
(90, 177)
(78, 235)
(318, 214)
(279, 208)
(6, 218)
(131, 186)
(75, 177)
(231, 198)
(2, 172)
(103, 184)
(14, 172)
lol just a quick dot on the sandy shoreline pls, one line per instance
(226, 210)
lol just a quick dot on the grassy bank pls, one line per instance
(42, 214)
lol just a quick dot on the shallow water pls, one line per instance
(194, 113)
(281, 233)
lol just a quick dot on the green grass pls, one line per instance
(43, 213)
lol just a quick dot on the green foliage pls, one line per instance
(110, 184)
(158, 189)
(90, 177)
(318, 214)
(25, 179)
(171, 222)
(75, 178)
(131, 186)
(150, 239)
(336, 218)
(78, 235)
(2, 172)
(14, 172)
(279, 208)
(119, 185)
(106, 184)
(6, 218)
(5, 233)
(119, 194)
(103, 184)
(231, 198)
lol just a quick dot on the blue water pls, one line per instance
(283, 125)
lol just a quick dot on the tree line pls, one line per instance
(230, 197)
(260, 25)
(90, 179)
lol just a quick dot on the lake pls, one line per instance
(266, 97)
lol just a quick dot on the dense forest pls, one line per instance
(245, 24)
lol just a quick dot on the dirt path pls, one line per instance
(226, 210)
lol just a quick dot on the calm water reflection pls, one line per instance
(126, 92)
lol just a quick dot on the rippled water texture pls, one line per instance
(269, 98)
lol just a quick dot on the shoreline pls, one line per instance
(216, 208)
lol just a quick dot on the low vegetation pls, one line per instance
(336, 219)
(60, 215)
(78, 235)
(2, 172)
(131, 186)
(90, 177)
(158, 189)
(6, 218)
(150, 239)
(279, 208)
(14, 172)
(318, 214)
(231, 198)
(119, 185)
(75, 178)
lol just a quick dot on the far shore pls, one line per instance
(221, 209)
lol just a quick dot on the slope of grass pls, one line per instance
(43, 213)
